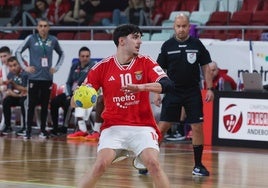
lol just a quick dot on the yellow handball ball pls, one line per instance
(85, 96)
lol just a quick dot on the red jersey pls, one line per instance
(122, 108)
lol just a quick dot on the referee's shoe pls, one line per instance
(200, 171)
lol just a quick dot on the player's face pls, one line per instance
(133, 43)
(43, 28)
(4, 56)
(181, 27)
(14, 67)
(84, 57)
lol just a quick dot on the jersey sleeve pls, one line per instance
(155, 71)
(205, 56)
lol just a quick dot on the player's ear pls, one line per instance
(121, 40)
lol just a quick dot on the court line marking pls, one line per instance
(35, 184)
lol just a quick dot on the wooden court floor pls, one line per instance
(59, 163)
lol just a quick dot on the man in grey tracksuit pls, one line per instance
(40, 69)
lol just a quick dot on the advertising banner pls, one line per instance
(243, 119)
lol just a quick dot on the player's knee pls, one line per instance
(101, 166)
(163, 127)
(153, 165)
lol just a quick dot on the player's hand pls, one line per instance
(157, 99)
(52, 70)
(30, 69)
(209, 96)
(7, 82)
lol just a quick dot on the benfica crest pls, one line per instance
(138, 75)
(191, 57)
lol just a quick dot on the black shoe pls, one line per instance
(44, 134)
(21, 132)
(7, 130)
(200, 171)
(143, 171)
(27, 136)
(175, 137)
(62, 130)
(54, 132)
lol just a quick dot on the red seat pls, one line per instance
(189, 5)
(60, 89)
(53, 90)
(102, 36)
(14, 3)
(251, 5)
(65, 35)
(85, 35)
(259, 18)
(98, 16)
(253, 35)
(239, 18)
(11, 36)
(2, 2)
(265, 5)
(218, 18)
(169, 6)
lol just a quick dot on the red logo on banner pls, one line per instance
(232, 118)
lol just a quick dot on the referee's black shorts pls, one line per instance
(190, 99)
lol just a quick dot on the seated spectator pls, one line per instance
(81, 12)
(29, 17)
(152, 14)
(229, 83)
(5, 53)
(57, 11)
(15, 94)
(132, 14)
(83, 133)
(77, 75)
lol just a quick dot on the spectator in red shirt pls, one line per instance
(57, 10)
(218, 73)
(152, 14)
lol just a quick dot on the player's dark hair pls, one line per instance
(5, 49)
(124, 30)
(11, 59)
(84, 48)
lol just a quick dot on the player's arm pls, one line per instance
(72, 103)
(162, 86)
(18, 87)
(208, 78)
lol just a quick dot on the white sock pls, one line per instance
(97, 126)
(82, 125)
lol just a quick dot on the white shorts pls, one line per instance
(83, 113)
(132, 138)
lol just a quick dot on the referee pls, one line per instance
(182, 56)
(40, 69)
